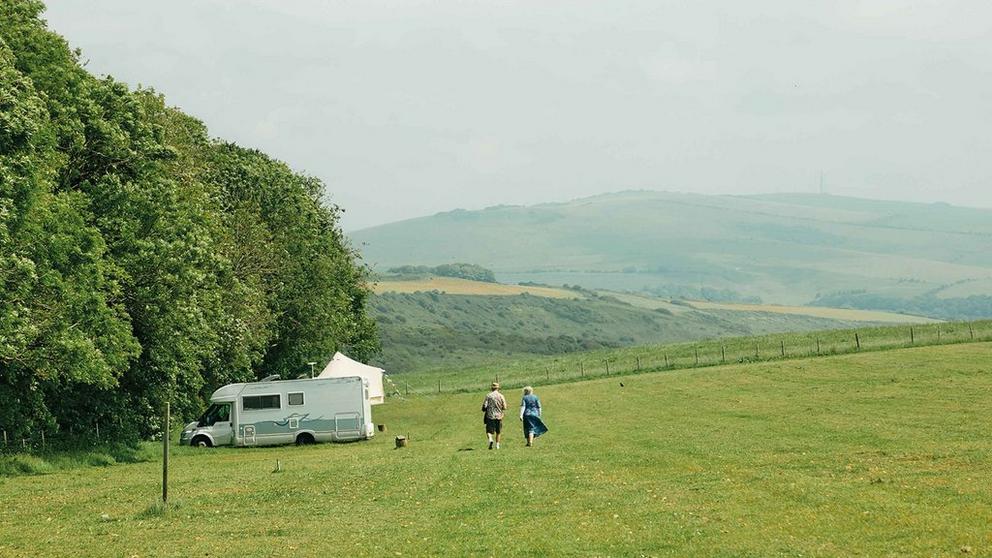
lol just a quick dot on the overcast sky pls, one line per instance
(412, 107)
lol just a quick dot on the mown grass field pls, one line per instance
(453, 285)
(882, 453)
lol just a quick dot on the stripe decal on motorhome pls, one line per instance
(269, 427)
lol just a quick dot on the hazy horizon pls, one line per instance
(406, 109)
(566, 201)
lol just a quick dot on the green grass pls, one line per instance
(42, 462)
(881, 453)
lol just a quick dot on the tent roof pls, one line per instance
(341, 366)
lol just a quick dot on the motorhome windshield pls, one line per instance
(218, 412)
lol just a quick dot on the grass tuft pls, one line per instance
(158, 509)
(23, 464)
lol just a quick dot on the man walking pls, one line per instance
(494, 405)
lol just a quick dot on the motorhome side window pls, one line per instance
(260, 402)
(296, 398)
(218, 412)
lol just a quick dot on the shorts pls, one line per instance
(494, 426)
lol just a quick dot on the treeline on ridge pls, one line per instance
(142, 261)
(468, 271)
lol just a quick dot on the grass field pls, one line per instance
(452, 285)
(873, 454)
(852, 315)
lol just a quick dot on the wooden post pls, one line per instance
(857, 340)
(638, 363)
(165, 456)
(582, 370)
(696, 349)
(666, 360)
(547, 374)
(938, 334)
(912, 337)
(817, 345)
(783, 346)
(756, 352)
(723, 353)
(607, 361)
(971, 331)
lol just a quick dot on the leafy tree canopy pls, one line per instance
(142, 261)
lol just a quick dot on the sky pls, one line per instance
(407, 108)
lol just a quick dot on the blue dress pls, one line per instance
(532, 416)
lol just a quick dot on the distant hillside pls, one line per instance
(423, 327)
(785, 249)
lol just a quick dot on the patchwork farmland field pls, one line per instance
(852, 315)
(880, 454)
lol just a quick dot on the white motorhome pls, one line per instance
(283, 412)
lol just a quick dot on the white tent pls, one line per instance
(342, 366)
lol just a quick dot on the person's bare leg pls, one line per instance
(499, 436)
(530, 438)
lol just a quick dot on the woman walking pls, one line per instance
(530, 415)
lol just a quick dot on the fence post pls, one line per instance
(782, 341)
(912, 336)
(638, 363)
(165, 456)
(547, 374)
(817, 345)
(723, 353)
(607, 361)
(971, 331)
(696, 349)
(666, 360)
(582, 369)
(857, 340)
(938, 334)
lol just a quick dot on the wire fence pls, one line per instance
(714, 352)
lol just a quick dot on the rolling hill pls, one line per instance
(437, 322)
(784, 248)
